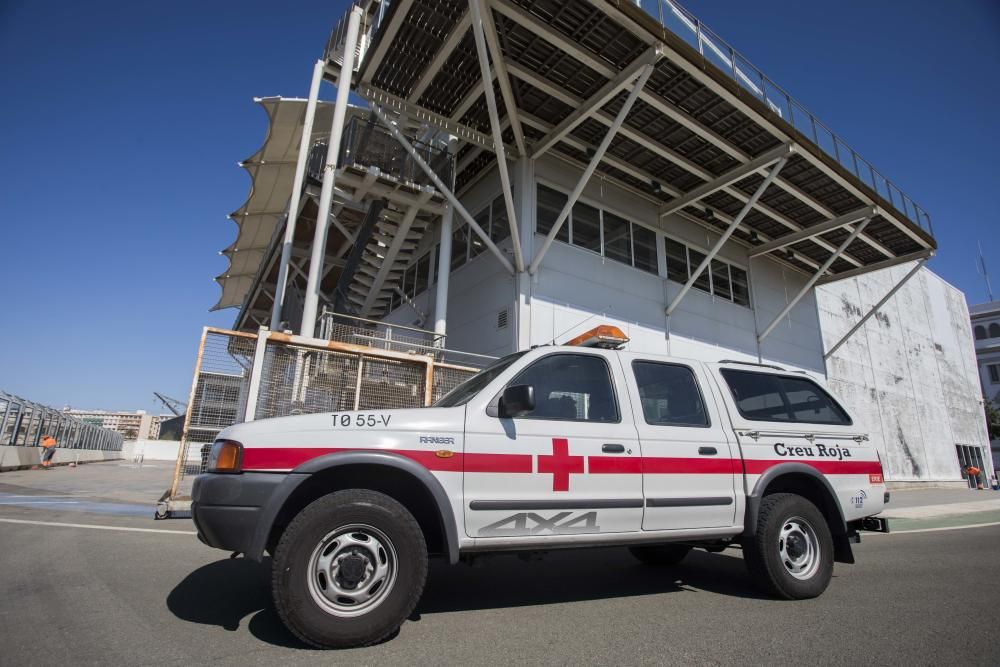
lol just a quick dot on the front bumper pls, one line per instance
(228, 508)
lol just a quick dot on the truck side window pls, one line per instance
(781, 398)
(670, 395)
(573, 387)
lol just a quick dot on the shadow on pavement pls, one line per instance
(225, 592)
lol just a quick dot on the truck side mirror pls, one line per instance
(517, 400)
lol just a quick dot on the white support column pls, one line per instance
(725, 236)
(292, 215)
(444, 261)
(256, 370)
(589, 171)
(816, 276)
(874, 309)
(491, 106)
(524, 182)
(443, 189)
(308, 327)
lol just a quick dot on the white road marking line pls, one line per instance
(98, 527)
(40, 502)
(934, 530)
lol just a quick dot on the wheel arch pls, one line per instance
(803, 480)
(397, 476)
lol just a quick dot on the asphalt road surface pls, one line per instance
(71, 594)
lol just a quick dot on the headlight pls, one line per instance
(225, 456)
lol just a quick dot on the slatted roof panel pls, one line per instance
(734, 122)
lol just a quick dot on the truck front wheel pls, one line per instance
(349, 569)
(791, 555)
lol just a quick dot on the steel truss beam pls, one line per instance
(671, 156)
(476, 7)
(594, 161)
(376, 96)
(809, 233)
(732, 176)
(646, 177)
(878, 266)
(544, 30)
(489, 29)
(443, 189)
(605, 94)
(816, 276)
(874, 309)
(782, 161)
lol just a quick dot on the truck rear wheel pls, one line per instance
(791, 556)
(661, 554)
(349, 569)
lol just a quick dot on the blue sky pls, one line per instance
(123, 123)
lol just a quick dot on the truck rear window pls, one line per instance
(781, 398)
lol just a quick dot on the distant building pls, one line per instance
(986, 332)
(132, 425)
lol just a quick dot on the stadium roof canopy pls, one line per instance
(705, 131)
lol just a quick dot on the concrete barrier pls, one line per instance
(18, 458)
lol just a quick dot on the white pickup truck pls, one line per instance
(555, 447)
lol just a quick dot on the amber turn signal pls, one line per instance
(225, 456)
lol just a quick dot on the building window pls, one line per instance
(995, 330)
(994, 370)
(597, 230)
(415, 279)
(721, 279)
(980, 332)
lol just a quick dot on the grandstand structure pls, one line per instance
(521, 170)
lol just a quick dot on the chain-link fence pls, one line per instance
(219, 392)
(242, 377)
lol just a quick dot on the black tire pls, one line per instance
(661, 554)
(791, 556)
(305, 590)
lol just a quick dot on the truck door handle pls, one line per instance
(613, 449)
(707, 451)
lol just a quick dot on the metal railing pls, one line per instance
(23, 423)
(365, 144)
(717, 51)
(354, 330)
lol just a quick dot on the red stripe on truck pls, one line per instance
(288, 458)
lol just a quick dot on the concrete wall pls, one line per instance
(910, 373)
(12, 458)
(155, 450)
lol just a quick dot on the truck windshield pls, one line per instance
(464, 392)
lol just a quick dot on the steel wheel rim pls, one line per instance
(352, 570)
(798, 548)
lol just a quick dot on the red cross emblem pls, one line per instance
(561, 465)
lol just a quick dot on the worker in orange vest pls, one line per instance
(973, 473)
(49, 444)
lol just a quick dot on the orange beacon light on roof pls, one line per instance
(605, 336)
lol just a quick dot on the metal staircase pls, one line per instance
(390, 249)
